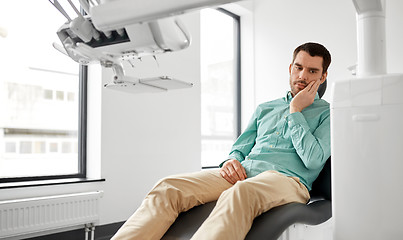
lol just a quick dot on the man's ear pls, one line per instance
(323, 78)
(289, 69)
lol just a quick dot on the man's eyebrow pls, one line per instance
(314, 69)
(300, 65)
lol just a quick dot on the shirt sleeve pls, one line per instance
(245, 142)
(312, 147)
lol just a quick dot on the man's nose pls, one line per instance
(303, 74)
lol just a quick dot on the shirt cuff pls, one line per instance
(222, 164)
(297, 119)
(234, 155)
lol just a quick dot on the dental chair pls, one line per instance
(271, 224)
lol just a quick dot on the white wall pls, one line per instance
(280, 26)
(145, 137)
(394, 36)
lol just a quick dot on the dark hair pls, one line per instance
(315, 49)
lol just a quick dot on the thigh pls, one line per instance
(271, 189)
(204, 186)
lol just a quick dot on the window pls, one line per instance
(42, 96)
(220, 84)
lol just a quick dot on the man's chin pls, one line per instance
(295, 91)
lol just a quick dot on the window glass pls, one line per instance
(11, 147)
(38, 93)
(218, 85)
(48, 94)
(53, 147)
(60, 95)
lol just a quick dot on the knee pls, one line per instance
(173, 188)
(174, 192)
(166, 185)
(164, 193)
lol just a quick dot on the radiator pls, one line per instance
(44, 214)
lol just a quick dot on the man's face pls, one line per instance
(304, 70)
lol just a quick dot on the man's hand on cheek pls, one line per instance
(305, 97)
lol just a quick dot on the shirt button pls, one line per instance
(277, 133)
(271, 146)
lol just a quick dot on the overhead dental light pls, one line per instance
(120, 31)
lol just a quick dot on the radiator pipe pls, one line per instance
(89, 228)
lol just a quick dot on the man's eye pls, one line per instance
(313, 71)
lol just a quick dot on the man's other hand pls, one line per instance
(233, 171)
(305, 97)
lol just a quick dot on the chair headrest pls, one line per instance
(322, 88)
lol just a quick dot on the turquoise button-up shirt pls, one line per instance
(296, 144)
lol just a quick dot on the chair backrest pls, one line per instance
(322, 187)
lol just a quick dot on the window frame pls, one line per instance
(237, 74)
(237, 56)
(82, 137)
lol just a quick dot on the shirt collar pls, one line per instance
(289, 96)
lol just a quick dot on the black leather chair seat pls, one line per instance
(269, 225)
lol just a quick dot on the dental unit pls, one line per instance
(367, 137)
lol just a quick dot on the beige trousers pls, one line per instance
(233, 214)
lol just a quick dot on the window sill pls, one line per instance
(48, 182)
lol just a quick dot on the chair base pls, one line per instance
(303, 231)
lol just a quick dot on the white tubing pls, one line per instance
(371, 37)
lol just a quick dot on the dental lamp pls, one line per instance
(114, 32)
(367, 137)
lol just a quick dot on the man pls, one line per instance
(273, 162)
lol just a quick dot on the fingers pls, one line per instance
(226, 176)
(243, 172)
(313, 86)
(229, 175)
(233, 171)
(239, 169)
(316, 85)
